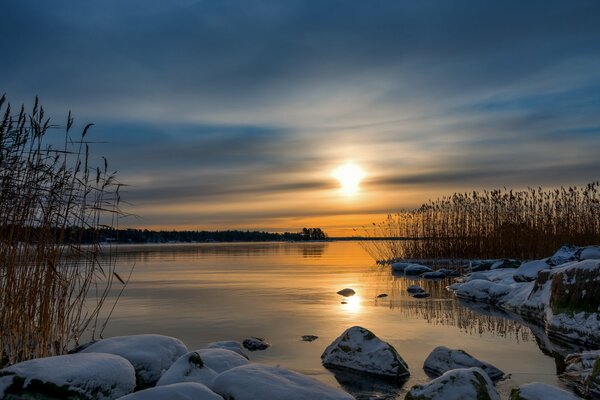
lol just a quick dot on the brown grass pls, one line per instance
(526, 224)
(49, 194)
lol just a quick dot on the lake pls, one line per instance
(201, 293)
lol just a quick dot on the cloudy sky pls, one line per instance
(233, 114)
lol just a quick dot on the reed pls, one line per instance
(503, 223)
(51, 286)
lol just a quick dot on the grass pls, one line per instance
(503, 223)
(52, 287)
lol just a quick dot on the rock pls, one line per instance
(150, 355)
(346, 292)
(176, 391)
(433, 275)
(382, 295)
(481, 265)
(590, 253)
(506, 263)
(309, 338)
(449, 272)
(416, 269)
(442, 359)
(360, 350)
(189, 367)
(528, 271)
(414, 289)
(540, 391)
(576, 288)
(481, 290)
(343, 302)
(255, 344)
(399, 266)
(421, 295)
(265, 382)
(228, 345)
(477, 275)
(582, 372)
(220, 360)
(458, 384)
(564, 255)
(77, 376)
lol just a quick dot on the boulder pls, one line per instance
(528, 271)
(576, 288)
(265, 382)
(416, 269)
(433, 275)
(481, 265)
(360, 350)
(540, 391)
(150, 355)
(449, 272)
(228, 345)
(481, 290)
(80, 376)
(564, 255)
(458, 384)
(346, 292)
(442, 359)
(399, 266)
(590, 253)
(176, 391)
(220, 360)
(189, 367)
(255, 344)
(477, 275)
(582, 372)
(506, 263)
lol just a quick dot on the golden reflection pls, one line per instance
(352, 304)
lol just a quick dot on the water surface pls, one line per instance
(280, 291)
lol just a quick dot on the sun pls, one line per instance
(349, 175)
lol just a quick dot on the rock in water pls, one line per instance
(150, 355)
(176, 391)
(309, 338)
(583, 372)
(506, 263)
(255, 344)
(540, 391)
(442, 359)
(458, 384)
(382, 295)
(360, 350)
(528, 271)
(421, 295)
(346, 292)
(434, 275)
(416, 269)
(228, 345)
(72, 376)
(265, 382)
(414, 289)
(188, 368)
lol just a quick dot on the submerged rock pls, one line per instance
(414, 289)
(228, 345)
(360, 350)
(255, 381)
(188, 368)
(72, 376)
(255, 344)
(540, 391)
(176, 391)
(458, 384)
(382, 295)
(346, 292)
(528, 271)
(309, 338)
(150, 355)
(442, 359)
(416, 269)
(434, 275)
(421, 295)
(583, 373)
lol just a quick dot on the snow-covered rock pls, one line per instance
(347, 292)
(416, 269)
(528, 271)
(255, 344)
(540, 391)
(506, 263)
(360, 350)
(150, 355)
(449, 272)
(176, 391)
(399, 266)
(477, 275)
(590, 253)
(583, 372)
(458, 384)
(481, 290)
(414, 289)
(82, 376)
(564, 255)
(221, 360)
(481, 265)
(189, 367)
(264, 382)
(228, 345)
(442, 359)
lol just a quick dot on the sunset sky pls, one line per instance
(235, 114)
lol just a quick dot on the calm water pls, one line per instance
(281, 291)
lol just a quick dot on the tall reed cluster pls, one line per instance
(51, 286)
(526, 224)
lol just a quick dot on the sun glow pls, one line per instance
(349, 175)
(352, 304)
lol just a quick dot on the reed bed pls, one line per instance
(527, 224)
(51, 286)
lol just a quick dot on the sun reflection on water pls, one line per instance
(352, 304)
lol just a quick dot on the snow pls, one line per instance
(220, 360)
(150, 355)
(188, 368)
(177, 391)
(256, 381)
(416, 269)
(104, 376)
(590, 253)
(443, 359)
(541, 391)
(481, 290)
(228, 345)
(360, 350)
(528, 271)
(500, 264)
(457, 384)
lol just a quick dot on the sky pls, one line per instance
(234, 114)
